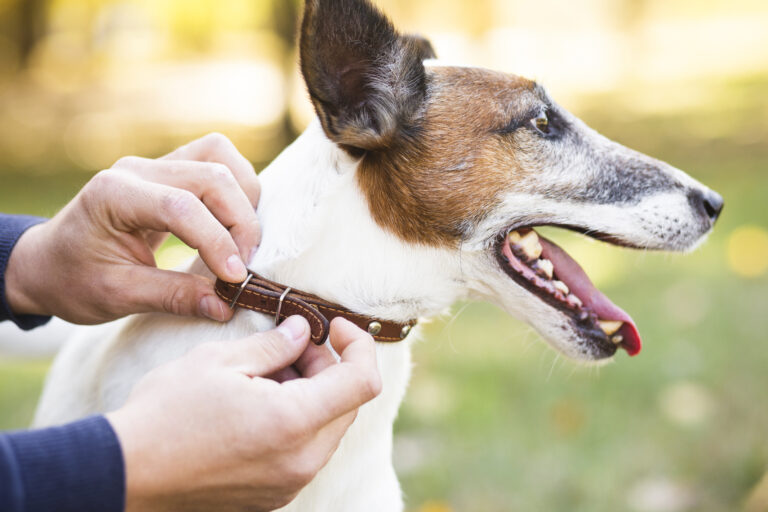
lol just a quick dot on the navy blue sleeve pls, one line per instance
(74, 468)
(11, 228)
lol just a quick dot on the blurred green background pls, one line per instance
(494, 420)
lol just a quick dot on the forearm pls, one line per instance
(14, 304)
(77, 467)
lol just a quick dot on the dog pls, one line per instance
(418, 185)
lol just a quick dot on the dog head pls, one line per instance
(471, 160)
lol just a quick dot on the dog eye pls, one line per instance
(541, 123)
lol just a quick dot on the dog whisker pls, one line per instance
(552, 367)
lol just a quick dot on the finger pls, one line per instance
(314, 360)
(326, 441)
(268, 352)
(164, 291)
(139, 205)
(284, 375)
(330, 435)
(214, 184)
(215, 147)
(345, 386)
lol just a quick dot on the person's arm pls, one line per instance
(74, 468)
(77, 467)
(94, 260)
(241, 425)
(11, 229)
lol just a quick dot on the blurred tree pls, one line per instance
(285, 22)
(30, 26)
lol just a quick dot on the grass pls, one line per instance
(20, 385)
(495, 421)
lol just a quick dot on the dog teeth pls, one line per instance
(617, 339)
(545, 268)
(575, 300)
(514, 237)
(610, 327)
(530, 246)
(561, 287)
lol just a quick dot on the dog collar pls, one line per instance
(260, 294)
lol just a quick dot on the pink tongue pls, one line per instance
(569, 272)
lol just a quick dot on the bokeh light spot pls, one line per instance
(567, 417)
(687, 404)
(660, 494)
(748, 251)
(435, 506)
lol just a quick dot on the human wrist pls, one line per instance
(141, 479)
(22, 274)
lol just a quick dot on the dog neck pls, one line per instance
(319, 236)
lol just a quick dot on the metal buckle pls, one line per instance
(240, 291)
(280, 305)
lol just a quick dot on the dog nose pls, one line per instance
(708, 202)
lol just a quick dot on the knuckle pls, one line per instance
(99, 188)
(303, 470)
(178, 202)
(176, 302)
(221, 240)
(220, 173)
(369, 385)
(217, 140)
(127, 162)
(103, 180)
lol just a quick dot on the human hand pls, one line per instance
(210, 432)
(94, 261)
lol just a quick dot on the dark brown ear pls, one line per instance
(366, 81)
(422, 44)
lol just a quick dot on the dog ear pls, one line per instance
(365, 80)
(422, 44)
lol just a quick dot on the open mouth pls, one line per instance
(547, 271)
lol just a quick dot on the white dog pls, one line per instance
(419, 185)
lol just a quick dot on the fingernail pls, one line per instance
(236, 267)
(293, 328)
(210, 307)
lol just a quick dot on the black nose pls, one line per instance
(708, 202)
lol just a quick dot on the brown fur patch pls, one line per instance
(434, 183)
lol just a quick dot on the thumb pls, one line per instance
(178, 293)
(268, 352)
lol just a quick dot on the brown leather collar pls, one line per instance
(260, 294)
